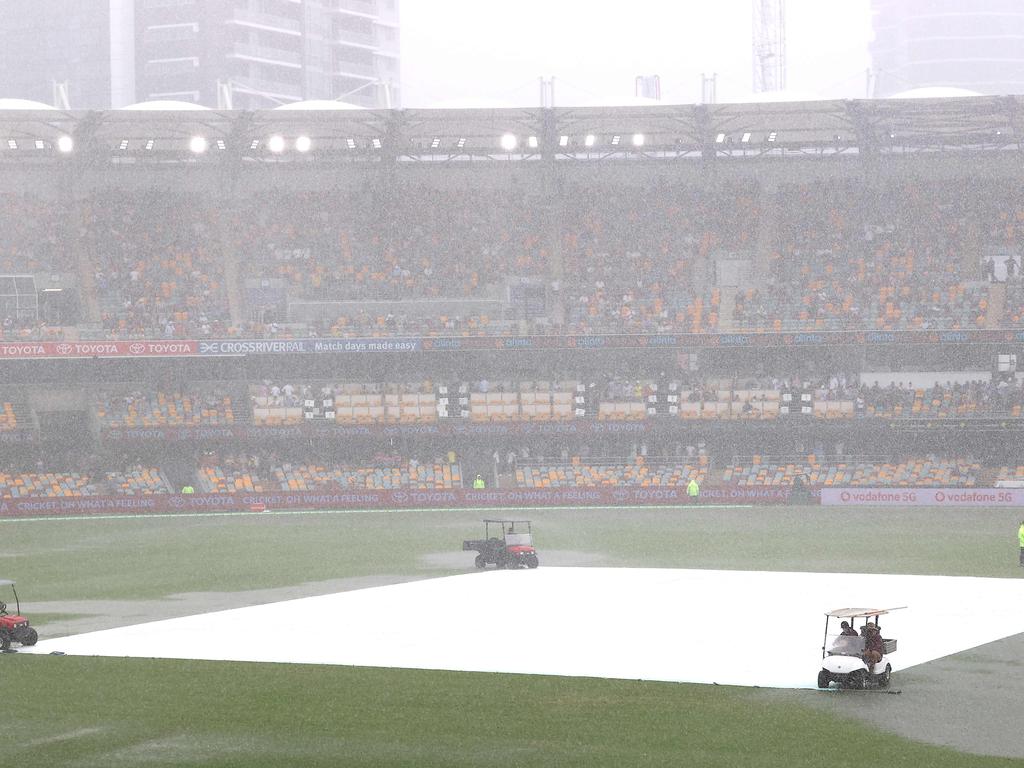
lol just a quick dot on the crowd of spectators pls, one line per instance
(607, 258)
(158, 263)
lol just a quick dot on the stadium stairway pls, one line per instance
(996, 305)
(726, 306)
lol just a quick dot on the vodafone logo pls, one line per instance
(137, 348)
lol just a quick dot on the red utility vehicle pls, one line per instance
(14, 627)
(513, 549)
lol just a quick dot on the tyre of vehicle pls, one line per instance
(824, 679)
(532, 561)
(885, 678)
(29, 636)
(480, 562)
(5, 641)
(857, 679)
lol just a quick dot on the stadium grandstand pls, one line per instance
(382, 305)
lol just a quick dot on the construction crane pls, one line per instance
(769, 32)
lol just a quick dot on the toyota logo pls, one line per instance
(137, 348)
(177, 501)
(620, 494)
(63, 349)
(399, 496)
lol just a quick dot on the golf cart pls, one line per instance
(512, 549)
(844, 660)
(14, 627)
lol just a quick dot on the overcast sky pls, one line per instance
(455, 50)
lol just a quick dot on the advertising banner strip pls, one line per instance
(391, 499)
(923, 497)
(27, 350)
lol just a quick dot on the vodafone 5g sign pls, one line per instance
(923, 497)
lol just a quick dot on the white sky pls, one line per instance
(485, 50)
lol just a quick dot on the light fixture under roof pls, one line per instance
(150, 143)
(615, 140)
(435, 142)
(40, 144)
(12, 144)
(532, 142)
(638, 139)
(772, 135)
(350, 143)
(276, 144)
(745, 137)
(461, 142)
(563, 140)
(719, 138)
(589, 140)
(509, 141)
(65, 144)
(198, 145)
(221, 145)
(254, 144)
(123, 145)
(303, 144)
(376, 143)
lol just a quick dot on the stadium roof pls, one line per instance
(318, 105)
(338, 133)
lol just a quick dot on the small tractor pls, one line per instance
(512, 549)
(14, 627)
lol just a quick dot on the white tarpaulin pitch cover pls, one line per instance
(728, 627)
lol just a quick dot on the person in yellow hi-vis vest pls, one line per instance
(1020, 535)
(479, 483)
(692, 489)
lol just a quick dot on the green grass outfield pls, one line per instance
(65, 711)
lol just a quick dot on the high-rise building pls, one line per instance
(248, 54)
(51, 49)
(977, 45)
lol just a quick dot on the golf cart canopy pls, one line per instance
(513, 522)
(860, 613)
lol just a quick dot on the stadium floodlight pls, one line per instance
(276, 144)
(509, 141)
(532, 142)
(350, 143)
(638, 139)
(377, 144)
(221, 145)
(40, 144)
(435, 142)
(12, 144)
(719, 138)
(615, 140)
(123, 145)
(254, 143)
(461, 142)
(772, 135)
(745, 137)
(303, 144)
(589, 140)
(150, 143)
(65, 144)
(563, 140)
(198, 145)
